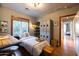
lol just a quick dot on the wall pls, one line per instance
(76, 21)
(5, 14)
(55, 17)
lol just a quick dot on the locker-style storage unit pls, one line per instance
(46, 30)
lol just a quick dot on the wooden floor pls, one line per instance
(67, 48)
(60, 51)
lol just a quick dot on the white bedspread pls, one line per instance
(32, 46)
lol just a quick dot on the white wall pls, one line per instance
(76, 20)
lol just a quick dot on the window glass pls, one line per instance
(19, 27)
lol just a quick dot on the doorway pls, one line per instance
(67, 34)
(68, 40)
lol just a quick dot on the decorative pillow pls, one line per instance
(25, 34)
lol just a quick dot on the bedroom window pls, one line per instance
(19, 26)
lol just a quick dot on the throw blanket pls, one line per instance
(8, 40)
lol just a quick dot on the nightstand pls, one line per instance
(48, 50)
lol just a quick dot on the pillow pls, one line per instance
(25, 34)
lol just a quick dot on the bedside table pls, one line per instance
(48, 50)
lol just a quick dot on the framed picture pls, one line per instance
(3, 26)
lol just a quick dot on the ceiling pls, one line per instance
(41, 9)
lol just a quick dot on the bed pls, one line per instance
(30, 43)
(33, 46)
